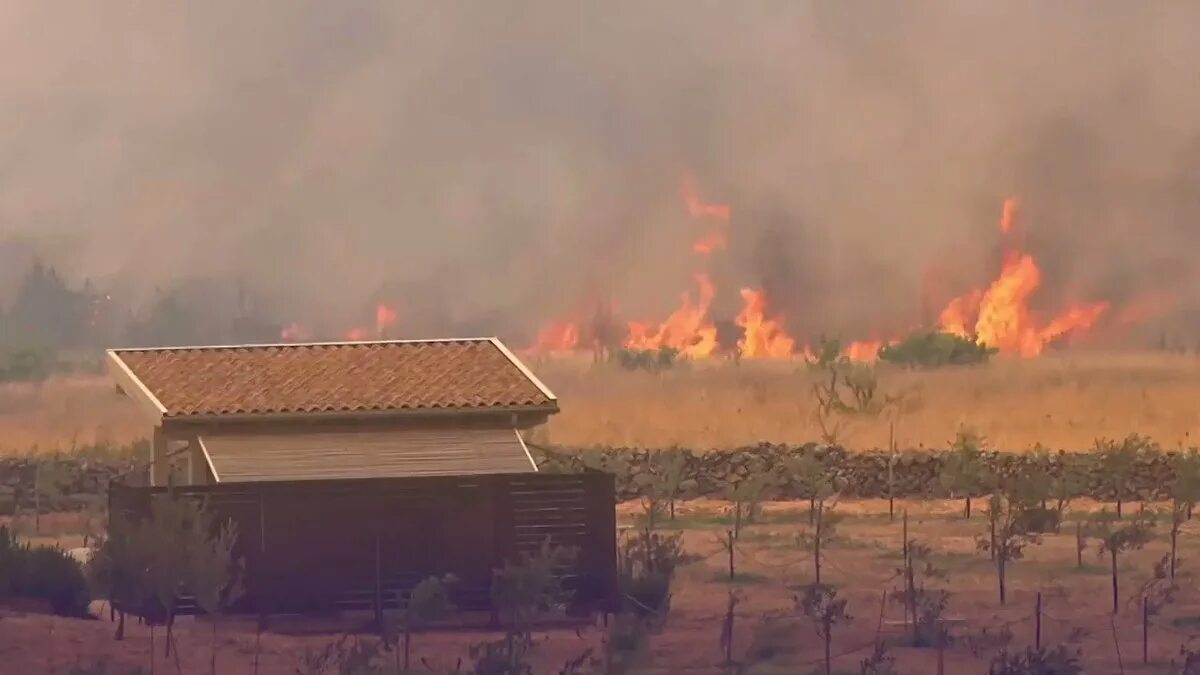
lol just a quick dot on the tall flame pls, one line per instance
(762, 338)
(1001, 314)
(687, 329)
(385, 318)
(557, 336)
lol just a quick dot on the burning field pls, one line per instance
(998, 315)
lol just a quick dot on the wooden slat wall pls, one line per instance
(310, 545)
(375, 454)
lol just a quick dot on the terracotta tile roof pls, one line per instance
(334, 377)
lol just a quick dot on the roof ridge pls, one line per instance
(297, 345)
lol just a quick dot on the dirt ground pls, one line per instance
(770, 565)
(1063, 400)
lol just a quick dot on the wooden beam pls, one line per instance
(160, 464)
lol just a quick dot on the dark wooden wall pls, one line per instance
(323, 545)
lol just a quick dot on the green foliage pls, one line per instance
(821, 604)
(935, 350)
(1118, 459)
(1118, 536)
(45, 312)
(144, 565)
(42, 573)
(1016, 519)
(344, 656)
(648, 561)
(964, 473)
(1186, 487)
(878, 663)
(524, 590)
(26, 365)
(649, 360)
(747, 495)
(828, 353)
(1057, 661)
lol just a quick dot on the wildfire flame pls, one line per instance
(998, 315)
(1001, 314)
(865, 351)
(763, 338)
(385, 318)
(687, 329)
(556, 337)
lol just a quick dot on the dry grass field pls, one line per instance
(1064, 400)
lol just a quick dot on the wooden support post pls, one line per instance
(1037, 622)
(378, 588)
(160, 465)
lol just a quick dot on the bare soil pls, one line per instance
(770, 567)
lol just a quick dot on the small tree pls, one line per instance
(813, 476)
(821, 604)
(1057, 661)
(1117, 462)
(669, 469)
(1185, 492)
(824, 530)
(923, 605)
(1116, 537)
(214, 575)
(522, 592)
(428, 601)
(117, 568)
(964, 472)
(1017, 520)
(747, 495)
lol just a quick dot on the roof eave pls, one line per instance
(350, 415)
(134, 388)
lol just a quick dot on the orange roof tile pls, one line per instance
(333, 377)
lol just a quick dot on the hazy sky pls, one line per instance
(496, 162)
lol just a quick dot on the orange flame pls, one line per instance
(710, 242)
(697, 207)
(687, 329)
(294, 332)
(762, 338)
(960, 313)
(1001, 313)
(385, 318)
(556, 336)
(865, 351)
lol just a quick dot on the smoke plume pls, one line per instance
(485, 165)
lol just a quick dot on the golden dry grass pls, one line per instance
(1062, 401)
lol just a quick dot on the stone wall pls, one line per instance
(861, 474)
(74, 482)
(68, 484)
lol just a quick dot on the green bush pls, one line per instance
(934, 350)
(26, 365)
(42, 573)
(652, 360)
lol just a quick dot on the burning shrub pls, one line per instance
(652, 360)
(934, 350)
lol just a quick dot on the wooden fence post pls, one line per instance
(1037, 622)
(1145, 630)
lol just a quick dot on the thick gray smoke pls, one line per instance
(487, 164)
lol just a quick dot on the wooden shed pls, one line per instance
(335, 410)
(353, 470)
